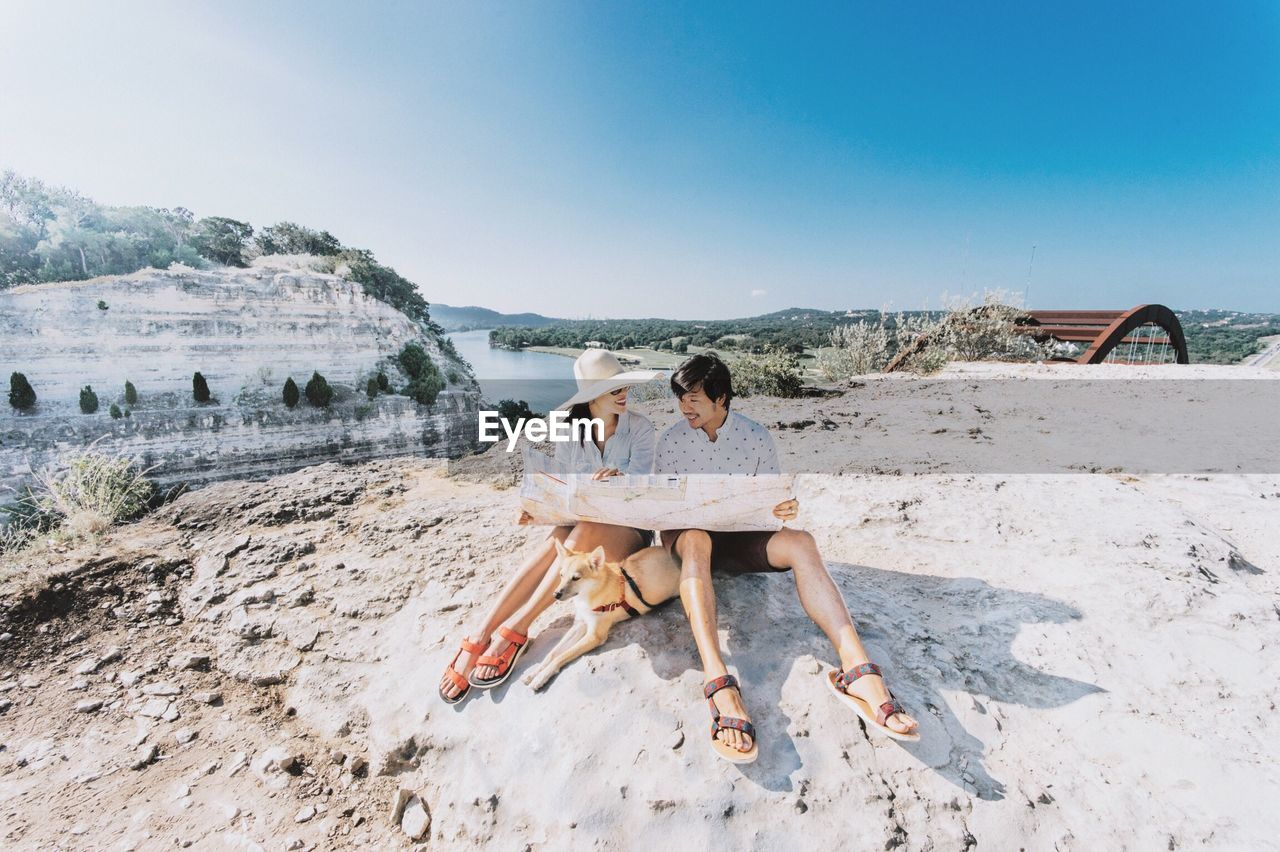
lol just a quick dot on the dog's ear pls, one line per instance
(561, 550)
(597, 558)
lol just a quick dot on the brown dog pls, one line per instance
(604, 594)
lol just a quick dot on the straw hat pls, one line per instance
(597, 372)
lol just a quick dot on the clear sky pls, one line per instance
(689, 160)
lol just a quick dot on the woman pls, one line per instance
(625, 447)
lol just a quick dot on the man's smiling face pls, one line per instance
(697, 410)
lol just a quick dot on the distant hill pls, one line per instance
(471, 317)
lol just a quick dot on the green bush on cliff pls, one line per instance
(21, 395)
(371, 388)
(130, 393)
(414, 360)
(425, 388)
(318, 391)
(292, 238)
(200, 388)
(290, 392)
(384, 384)
(115, 411)
(88, 400)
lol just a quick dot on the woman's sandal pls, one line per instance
(719, 723)
(874, 717)
(455, 676)
(505, 662)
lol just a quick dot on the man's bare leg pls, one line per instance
(522, 585)
(618, 543)
(699, 600)
(795, 549)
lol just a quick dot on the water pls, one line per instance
(542, 380)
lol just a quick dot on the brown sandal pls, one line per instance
(472, 648)
(505, 662)
(875, 717)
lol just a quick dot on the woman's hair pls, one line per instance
(707, 372)
(577, 414)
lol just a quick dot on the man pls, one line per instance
(711, 439)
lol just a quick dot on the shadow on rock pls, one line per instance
(929, 633)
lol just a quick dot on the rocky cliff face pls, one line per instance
(246, 331)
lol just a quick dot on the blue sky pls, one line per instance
(690, 160)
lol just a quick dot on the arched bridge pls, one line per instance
(1147, 334)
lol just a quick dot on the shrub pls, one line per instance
(116, 414)
(93, 492)
(290, 392)
(318, 391)
(102, 306)
(383, 384)
(130, 394)
(88, 400)
(512, 412)
(200, 388)
(426, 387)
(128, 413)
(371, 388)
(856, 349)
(775, 373)
(221, 240)
(21, 395)
(986, 332)
(454, 377)
(414, 360)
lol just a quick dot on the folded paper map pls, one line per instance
(655, 501)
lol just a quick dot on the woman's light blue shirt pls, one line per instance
(630, 448)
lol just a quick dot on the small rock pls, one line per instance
(184, 735)
(5, 637)
(128, 679)
(211, 697)
(357, 765)
(87, 667)
(161, 688)
(305, 814)
(416, 821)
(78, 685)
(402, 797)
(189, 661)
(208, 769)
(5, 704)
(144, 756)
(89, 705)
(109, 656)
(155, 708)
(230, 812)
(182, 791)
(337, 757)
(238, 762)
(171, 714)
(677, 739)
(29, 683)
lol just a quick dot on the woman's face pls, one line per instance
(614, 402)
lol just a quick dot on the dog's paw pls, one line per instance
(539, 681)
(528, 679)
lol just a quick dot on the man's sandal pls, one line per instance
(719, 723)
(455, 677)
(874, 717)
(504, 662)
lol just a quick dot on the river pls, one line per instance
(542, 380)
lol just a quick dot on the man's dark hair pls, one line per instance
(707, 372)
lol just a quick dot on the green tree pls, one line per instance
(371, 388)
(130, 393)
(88, 400)
(384, 384)
(116, 414)
(21, 395)
(200, 388)
(414, 360)
(292, 238)
(290, 392)
(318, 391)
(221, 240)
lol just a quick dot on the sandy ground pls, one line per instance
(1092, 657)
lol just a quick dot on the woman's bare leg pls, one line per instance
(519, 589)
(618, 543)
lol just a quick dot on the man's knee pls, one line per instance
(693, 543)
(787, 546)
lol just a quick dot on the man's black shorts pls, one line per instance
(733, 552)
